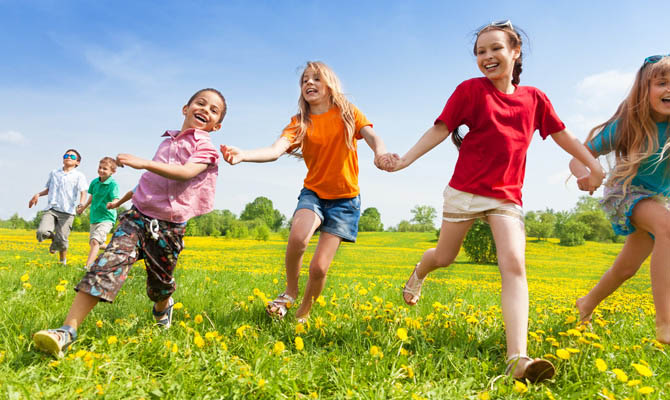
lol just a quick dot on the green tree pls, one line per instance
(571, 232)
(540, 224)
(371, 221)
(262, 208)
(424, 215)
(479, 245)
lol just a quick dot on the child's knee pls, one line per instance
(318, 271)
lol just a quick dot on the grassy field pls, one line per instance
(361, 341)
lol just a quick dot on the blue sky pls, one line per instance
(108, 77)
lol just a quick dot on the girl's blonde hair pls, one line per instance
(636, 131)
(337, 98)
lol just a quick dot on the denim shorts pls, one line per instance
(339, 217)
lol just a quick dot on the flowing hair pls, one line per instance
(514, 40)
(337, 98)
(636, 132)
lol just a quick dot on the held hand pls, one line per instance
(112, 205)
(33, 200)
(80, 209)
(130, 160)
(591, 182)
(231, 154)
(387, 161)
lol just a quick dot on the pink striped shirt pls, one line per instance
(177, 201)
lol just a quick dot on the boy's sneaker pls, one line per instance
(55, 341)
(164, 318)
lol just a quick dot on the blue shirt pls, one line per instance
(651, 175)
(65, 190)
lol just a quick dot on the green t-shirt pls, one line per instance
(103, 193)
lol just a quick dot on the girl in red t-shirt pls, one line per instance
(324, 133)
(487, 180)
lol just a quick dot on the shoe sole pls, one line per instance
(46, 343)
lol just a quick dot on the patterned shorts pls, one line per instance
(619, 207)
(137, 237)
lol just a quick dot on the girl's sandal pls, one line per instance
(537, 369)
(413, 288)
(278, 307)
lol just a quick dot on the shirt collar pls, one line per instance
(197, 133)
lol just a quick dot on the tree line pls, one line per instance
(586, 221)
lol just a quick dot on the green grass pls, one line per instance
(455, 347)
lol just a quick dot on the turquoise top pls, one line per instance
(103, 193)
(651, 176)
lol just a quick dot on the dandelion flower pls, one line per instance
(520, 387)
(646, 390)
(60, 288)
(177, 306)
(98, 324)
(198, 319)
(299, 328)
(299, 344)
(402, 334)
(199, 341)
(376, 352)
(112, 340)
(278, 347)
(601, 365)
(620, 375)
(563, 354)
(642, 370)
(25, 277)
(484, 396)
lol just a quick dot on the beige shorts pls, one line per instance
(462, 206)
(100, 230)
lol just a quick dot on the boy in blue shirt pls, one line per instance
(66, 188)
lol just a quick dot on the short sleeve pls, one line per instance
(49, 179)
(546, 119)
(115, 190)
(603, 143)
(455, 112)
(90, 187)
(361, 121)
(83, 184)
(205, 153)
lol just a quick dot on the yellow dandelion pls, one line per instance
(199, 341)
(642, 370)
(484, 396)
(520, 387)
(278, 347)
(198, 319)
(550, 395)
(63, 282)
(402, 334)
(572, 350)
(98, 387)
(54, 363)
(620, 375)
(98, 324)
(601, 365)
(408, 370)
(112, 340)
(178, 306)
(646, 390)
(261, 382)
(313, 395)
(299, 328)
(241, 329)
(634, 382)
(299, 344)
(570, 319)
(321, 301)
(25, 277)
(563, 354)
(27, 285)
(60, 288)
(376, 352)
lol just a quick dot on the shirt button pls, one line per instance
(171, 197)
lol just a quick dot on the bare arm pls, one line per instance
(234, 155)
(116, 203)
(590, 179)
(33, 200)
(171, 171)
(378, 147)
(433, 136)
(82, 206)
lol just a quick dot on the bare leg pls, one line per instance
(448, 246)
(162, 305)
(510, 239)
(653, 217)
(82, 305)
(637, 248)
(95, 247)
(318, 268)
(62, 255)
(305, 222)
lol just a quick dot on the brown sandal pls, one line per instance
(537, 370)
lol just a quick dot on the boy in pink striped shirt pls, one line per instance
(179, 184)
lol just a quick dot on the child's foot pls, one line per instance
(412, 290)
(303, 318)
(164, 318)
(585, 313)
(663, 333)
(278, 307)
(55, 341)
(526, 368)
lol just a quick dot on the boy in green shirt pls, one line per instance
(103, 190)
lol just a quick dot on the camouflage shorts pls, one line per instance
(132, 241)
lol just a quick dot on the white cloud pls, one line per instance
(12, 137)
(605, 90)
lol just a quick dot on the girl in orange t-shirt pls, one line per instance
(324, 134)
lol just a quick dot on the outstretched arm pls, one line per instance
(82, 206)
(33, 200)
(587, 179)
(383, 160)
(116, 203)
(234, 155)
(433, 136)
(170, 171)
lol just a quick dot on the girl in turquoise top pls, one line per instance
(636, 193)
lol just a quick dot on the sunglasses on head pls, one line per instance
(70, 156)
(500, 24)
(654, 59)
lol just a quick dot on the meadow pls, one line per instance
(361, 342)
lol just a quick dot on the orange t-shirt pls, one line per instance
(332, 169)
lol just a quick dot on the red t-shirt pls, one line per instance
(492, 158)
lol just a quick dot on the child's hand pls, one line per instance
(591, 182)
(231, 154)
(387, 161)
(130, 160)
(80, 209)
(112, 205)
(33, 200)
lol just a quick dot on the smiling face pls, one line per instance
(104, 171)
(314, 89)
(659, 97)
(495, 56)
(203, 112)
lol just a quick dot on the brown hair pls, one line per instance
(110, 162)
(636, 136)
(223, 100)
